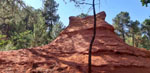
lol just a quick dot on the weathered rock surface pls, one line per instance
(68, 53)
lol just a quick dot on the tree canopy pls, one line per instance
(22, 26)
(120, 23)
(145, 2)
(132, 32)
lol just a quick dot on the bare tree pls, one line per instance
(93, 38)
(82, 2)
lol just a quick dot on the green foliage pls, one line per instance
(39, 31)
(134, 30)
(146, 27)
(133, 26)
(120, 23)
(135, 34)
(23, 26)
(145, 2)
(23, 39)
(5, 44)
(145, 42)
(2, 41)
(146, 32)
(82, 15)
(57, 28)
(50, 15)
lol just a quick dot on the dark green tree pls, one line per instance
(146, 32)
(57, 28)
(146, 27)
(22, 26)
(120, 23)
(145, 43)
(50, 14)
(39, 33)
(145, 2)
(134, 30)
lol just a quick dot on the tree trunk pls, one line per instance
(123, 33)
(6, 30)
(93, 38)
(26, 21)
(50, 29)
(133, 39)
(123, 36)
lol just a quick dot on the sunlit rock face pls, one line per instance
(68, 53)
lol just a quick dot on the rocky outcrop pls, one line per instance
(68, 53)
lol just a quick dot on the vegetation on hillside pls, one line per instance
(132, 32)
(23, 26)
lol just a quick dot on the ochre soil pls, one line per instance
(68, 53)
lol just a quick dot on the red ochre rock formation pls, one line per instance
(68, 53)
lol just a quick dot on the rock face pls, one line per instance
(68, 53)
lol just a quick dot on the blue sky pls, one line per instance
(111, 7)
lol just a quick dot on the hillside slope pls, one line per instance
(68, 53)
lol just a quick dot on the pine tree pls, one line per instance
(120, 23)
(50, 14)
(134, 30)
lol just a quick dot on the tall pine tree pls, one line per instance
(120, 23)
(50, 14)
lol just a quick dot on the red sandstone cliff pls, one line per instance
(68, 53)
